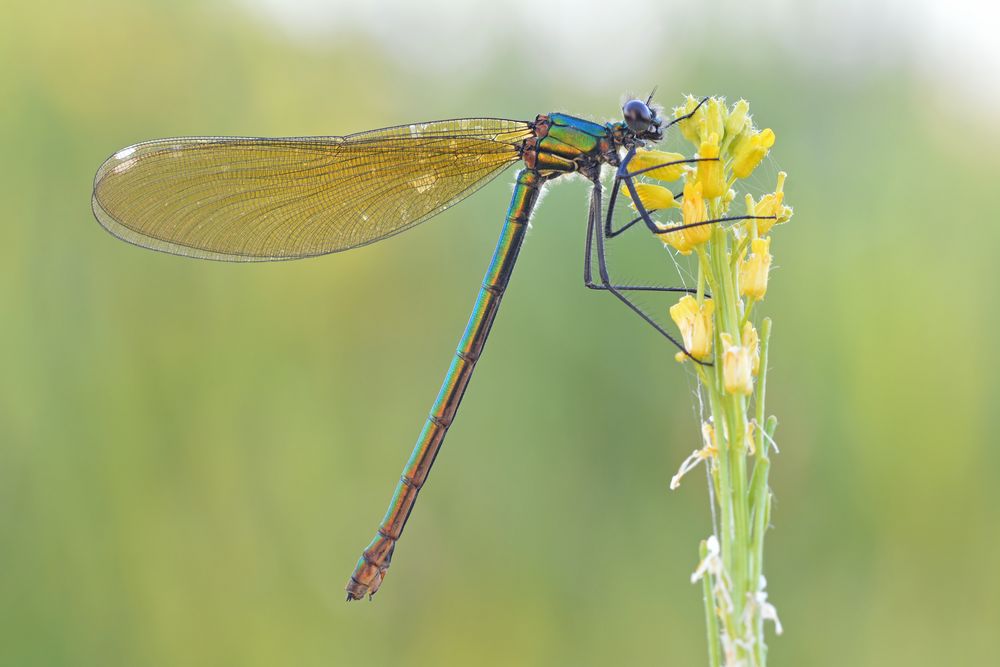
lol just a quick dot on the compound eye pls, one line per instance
(638, 116)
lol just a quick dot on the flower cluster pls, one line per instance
(716, 324)
(729, 148)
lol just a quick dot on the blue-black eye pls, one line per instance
(638, 116)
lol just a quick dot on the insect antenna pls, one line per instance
(687, 115)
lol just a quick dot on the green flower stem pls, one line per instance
(741, 250)
(732, 419)
(765, 338)
(702, 277)
(711, 619)
(759, 494)
(748, 312)
(735, 493)
(723, 489)
(705, 273)
(741, 542)
(761, 503)
(738, 463)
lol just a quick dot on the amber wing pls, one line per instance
(256, 199)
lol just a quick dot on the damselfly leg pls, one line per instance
(599, 231)
(622, 175)
(595, 242)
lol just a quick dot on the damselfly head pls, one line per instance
(642, 119)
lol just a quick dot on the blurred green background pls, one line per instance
(194, 453)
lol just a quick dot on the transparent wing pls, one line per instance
(254, 199)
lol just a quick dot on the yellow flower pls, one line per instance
(710, 118)
(737, 367)
(695, 324)
(690, 127)
(749, 153)
(772, 205)
(647, 159)
(715, 119)
(653, 197)
(710, 173)
(693, 211)
(677, 240)
(769, 205)
(736, 121)
(753, 271)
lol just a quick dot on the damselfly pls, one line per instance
(253, 199)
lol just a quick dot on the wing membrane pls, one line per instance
(255, 199)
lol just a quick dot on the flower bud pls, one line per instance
(690, 127)
(653, 197)
(772, 205)
(754, 270)
(749, 153)
(710, 173)
(693, 212)
(736, 121)
(647, 159)
(736, 367)
(695, 325)
(677, 240)
(715, 119)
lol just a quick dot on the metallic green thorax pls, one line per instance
(564, 144)
(570, 136)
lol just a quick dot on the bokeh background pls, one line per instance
(192, 454)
